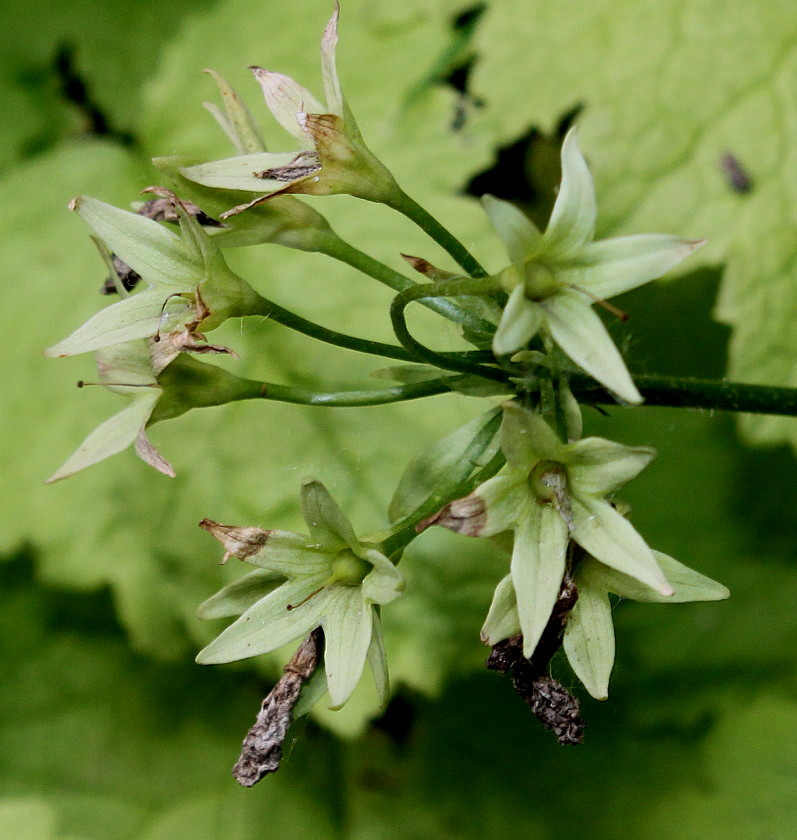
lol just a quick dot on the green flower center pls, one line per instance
(349, 569)
(548, 481)
(539, 281)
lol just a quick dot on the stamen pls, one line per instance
(157, 336)
(609, 307)
(81, 384)
(304, 600)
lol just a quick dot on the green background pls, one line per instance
(107, 728)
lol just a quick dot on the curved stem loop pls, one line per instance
(480, 286)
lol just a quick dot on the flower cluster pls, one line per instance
(552, 493)
(332, 157)
(556, 276)
(329, 579)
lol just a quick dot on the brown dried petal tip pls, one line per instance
(238, 542)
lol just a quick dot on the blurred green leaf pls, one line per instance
(76, 68)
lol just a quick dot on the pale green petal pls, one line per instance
(613, 266)
(502, 619)
(328, 525)
(124, 368)
(238, 125)
(589, 637)
(571, 411)
(519, 323)
(377, 660)
(329, 71)
(238, 596)
(145, 245)
(312, 692)
(688, 584)
(526, 438)
(238, 173)
(281, 552)
(572, 223)
(581, 334)
(597, 466)
(609, 537)
(285, 99)
(385, 583)
(138, 316)
(538, 567)
(515, 229)
(111, 437)
(269, 623)
(347, 629)
(445, 464)
(491, 508)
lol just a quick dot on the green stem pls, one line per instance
(268, 309)
(678, 392)
(338, 248)
(399, 200)
(479, 286)
(351, 399)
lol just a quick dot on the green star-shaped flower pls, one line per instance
(332, 157)
(550, 493)
(162, 383)
(188, 283)
(330, 579)
(589, 632)
(555, 277)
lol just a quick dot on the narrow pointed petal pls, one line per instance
(571, 411)
(242, 129)
(347, 624)
(243, 172)
(515, 229)
(572, 223)
(149, 455)
(502, 619)
(111, 437)
(493, 507)
(285, 99)
(269, 623)
(145, 245)
(238, 596)
(385, 583)
(377, 660)
(597, 466)
(688, 584)
(613, 266)
(538, 566)
(138, 316)
(581, 334)
(328, 525)
(520, 321)
(282, 552)
(312, 692)
(329, 71)
(526, 438)
(610, 538)
(589, 638)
